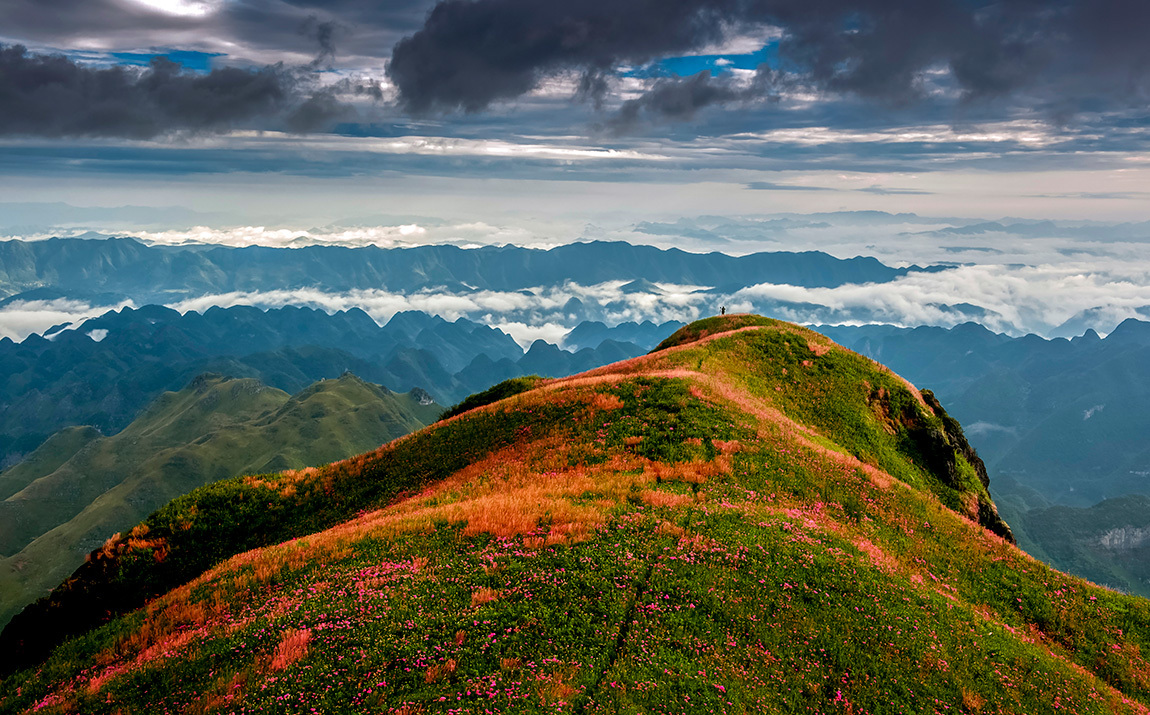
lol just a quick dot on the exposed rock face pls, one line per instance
(1126, 538)
(946, 463)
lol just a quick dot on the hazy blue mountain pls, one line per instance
(589, 334)
(160, 274)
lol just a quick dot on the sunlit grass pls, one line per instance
(676, 535)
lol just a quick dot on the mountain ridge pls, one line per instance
(741, 523)
(131, 268)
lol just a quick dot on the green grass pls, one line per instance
(860, 407)
(784, 581)
(212, 430)
(47, 458)
(710, 326)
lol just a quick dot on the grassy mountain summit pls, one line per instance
(749, 519)
(79, 487)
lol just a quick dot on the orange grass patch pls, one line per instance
(606, 402)
(726, 447)
(694, 472)
(293, 645)
(484, 595)
(226, 690)
(172, 626)
(819, 348)
(555, 687)
(440, 671)
(656, 497)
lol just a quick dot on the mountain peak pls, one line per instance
(712, 326)
(751, 518)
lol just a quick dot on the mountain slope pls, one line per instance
(1062, 424)
(754, 520)
(1067, 418)
(215, 428)
(47, 458)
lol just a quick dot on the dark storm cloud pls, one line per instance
(52, 96)
(324, 34)
(681, 98)
(470, 54)
(1058, 56)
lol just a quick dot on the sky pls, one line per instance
(286, 122)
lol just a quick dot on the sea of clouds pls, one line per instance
(1047, 278)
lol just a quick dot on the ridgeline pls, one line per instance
(749, 519)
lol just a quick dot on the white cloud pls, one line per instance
(742, 41)
(1026, 132)
(1011, 299)
(183, 8)
(525, 334)
(382, 236)
(19, 319)
(1017, 299)
(443, 146)
(607, 299)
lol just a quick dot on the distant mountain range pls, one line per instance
(1108, 543)
(125, 268)
(105, 371)
(78, 488)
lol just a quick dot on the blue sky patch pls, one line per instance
(194, 61)
(694, 64)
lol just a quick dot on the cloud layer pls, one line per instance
(1057, 56)
(51, 95)
(19, 319)
(1010, 299)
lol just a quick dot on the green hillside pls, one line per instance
(50, 456)
(746, 520)
(78, 488)
(1108, 543)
